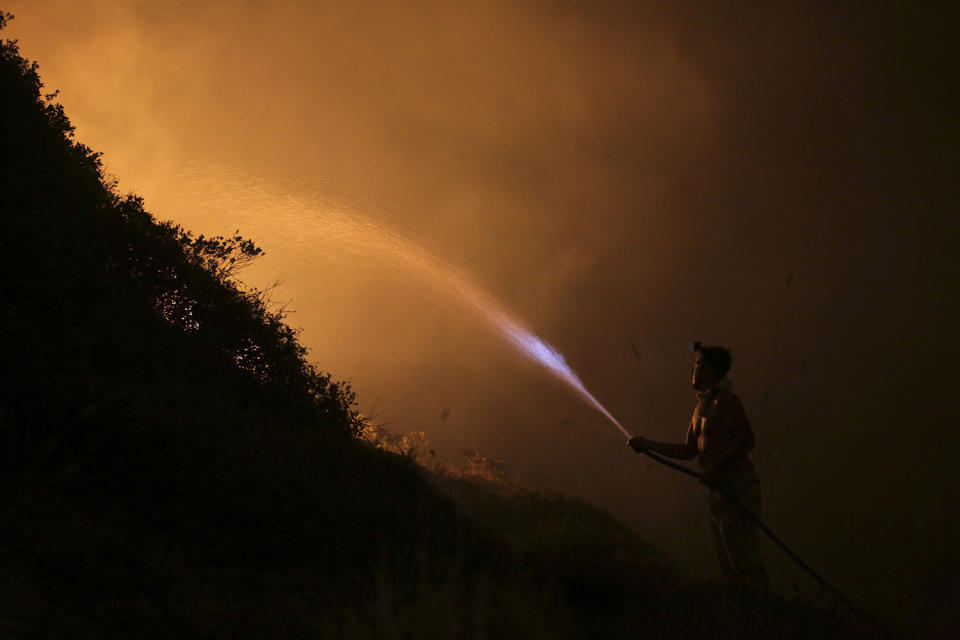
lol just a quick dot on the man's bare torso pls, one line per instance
(722, 432)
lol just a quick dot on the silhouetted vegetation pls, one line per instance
(172, 464)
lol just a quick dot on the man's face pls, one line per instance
(703, 375)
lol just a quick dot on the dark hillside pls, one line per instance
(172, 465)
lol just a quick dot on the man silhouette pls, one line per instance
(720, 436)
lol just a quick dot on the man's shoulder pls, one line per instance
(728, 406)
(725, 398)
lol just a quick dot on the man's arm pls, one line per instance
(686, 450)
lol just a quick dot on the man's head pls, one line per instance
(710, 365)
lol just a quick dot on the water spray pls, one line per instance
(302, 221)
(536, 349)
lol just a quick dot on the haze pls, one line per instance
(767, 176)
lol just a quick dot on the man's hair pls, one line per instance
(718, 358)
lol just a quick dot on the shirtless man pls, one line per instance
(720, 436)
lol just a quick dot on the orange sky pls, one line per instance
(611, 174)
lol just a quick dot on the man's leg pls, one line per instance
(743, 548)
(725, 567)
(739, 533)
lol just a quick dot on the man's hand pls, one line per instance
(638, 444)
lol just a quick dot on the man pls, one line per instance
(719, 434)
